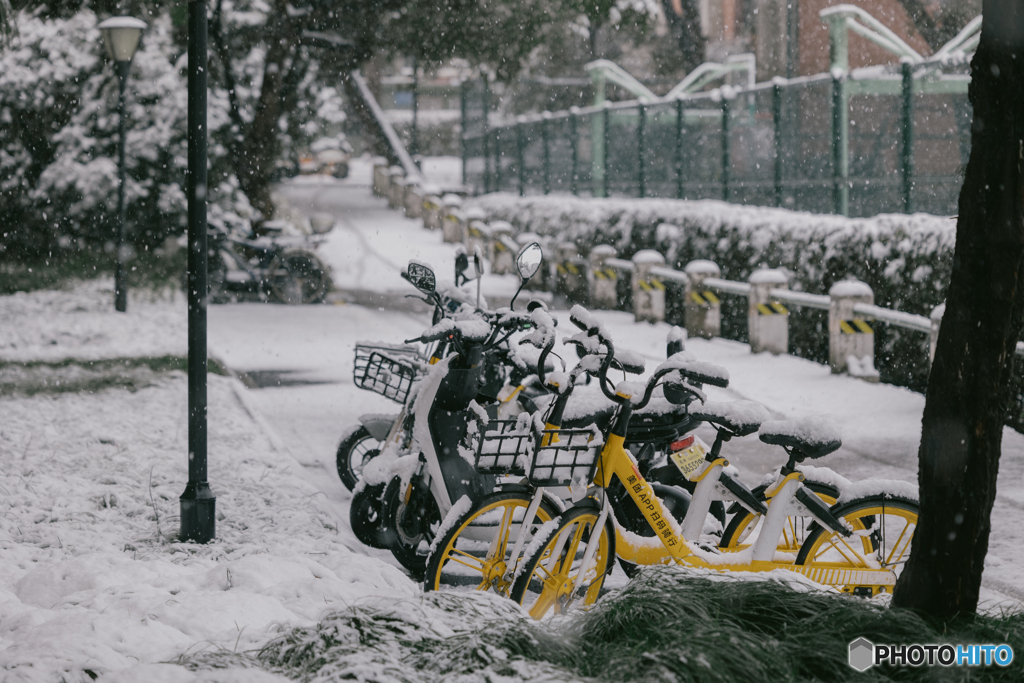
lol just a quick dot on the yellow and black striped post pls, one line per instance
(602, 281)
(767, 319)
(648, 290)
(500, 249)
(453, 221)
(702, 308)
(851, 339)
(570, 275)
(432, 212)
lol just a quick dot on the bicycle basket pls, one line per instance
(385, 376)
(500, 446)
(563, 455)
(400, 352)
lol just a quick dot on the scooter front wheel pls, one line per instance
(355, 450)
(409, 523)
(365, 516)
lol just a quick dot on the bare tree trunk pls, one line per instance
(260, 148)
(967, 392)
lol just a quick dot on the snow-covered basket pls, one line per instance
(565, 456)
(505, 447)
(384, 370)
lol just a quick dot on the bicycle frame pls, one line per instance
(673, 546)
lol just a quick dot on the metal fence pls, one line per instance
(880, 139)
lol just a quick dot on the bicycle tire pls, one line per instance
(794, 533)
(548, 577)
(878, 519)
(354, 451)
(456, 547)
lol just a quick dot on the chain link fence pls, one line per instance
(880, 140)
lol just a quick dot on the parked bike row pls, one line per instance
(515, 469)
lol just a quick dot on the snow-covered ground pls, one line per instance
(91, 576)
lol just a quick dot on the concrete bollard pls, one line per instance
(767, 319)
(431, 212)
(602, 281)
(501, 248)
(851, 340)
(453, 221)
(936, 317)
(648, 291)
(380, 176)
(702, 309)
(413, 200)
(477, 230)
(570, 275)
(396, 187)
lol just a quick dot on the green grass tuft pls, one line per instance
(666, 625)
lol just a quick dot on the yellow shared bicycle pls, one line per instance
(857, 545)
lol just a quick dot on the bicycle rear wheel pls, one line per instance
(883, 528)
(477, 547)
(550, 577)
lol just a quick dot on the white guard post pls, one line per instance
(453, 221)
(648, 291)
(703, 310)
(477, 231)
(396, 187)
(413, 200)
(380, 176)
(570, 277)
(431, 208)
(501, 251)
(851, 339)
(767, 319)
(602, 281)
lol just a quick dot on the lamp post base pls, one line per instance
(198, 513)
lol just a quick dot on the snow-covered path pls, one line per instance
(90, 575)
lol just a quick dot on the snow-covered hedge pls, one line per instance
(905, 259)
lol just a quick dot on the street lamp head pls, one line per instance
(121, 35)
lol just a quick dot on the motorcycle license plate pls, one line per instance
(687, 455)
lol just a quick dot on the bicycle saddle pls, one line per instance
(810, 437)
(739, 418)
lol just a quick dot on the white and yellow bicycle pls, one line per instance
(857, 546)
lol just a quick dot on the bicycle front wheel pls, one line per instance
(883, 528)
(476, 549)
(552, 577)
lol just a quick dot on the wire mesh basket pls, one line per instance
(408, 355)
(500, 446)
(561, 456)
(383, 375)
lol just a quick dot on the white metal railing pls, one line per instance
(909, 321)
(728, 286)
(788, 296)
(670, 274)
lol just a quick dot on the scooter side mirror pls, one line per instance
(421, 276)
(528, 261)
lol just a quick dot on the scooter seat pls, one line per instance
(810, 437)
(739, 418)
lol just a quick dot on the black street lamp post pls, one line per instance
(121, 36)
(198, 504)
